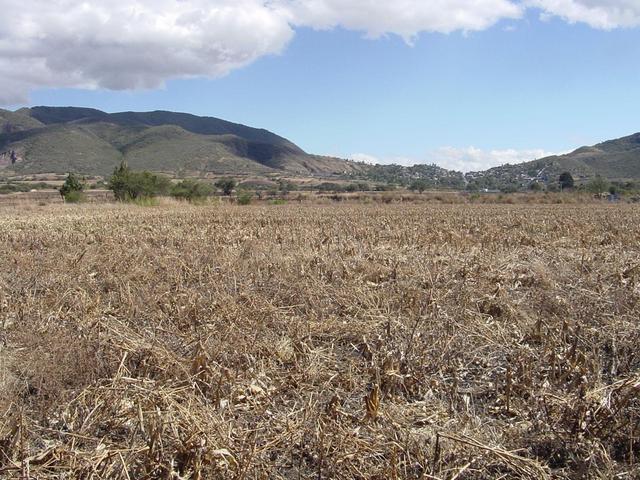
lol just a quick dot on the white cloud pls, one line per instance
(467, 159)
(602, 14)
(139, 44)
(130, 44)
(473, 159)
(406, 18)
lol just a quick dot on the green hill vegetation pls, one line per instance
(55, 140)
(92, 142)
(616, 160)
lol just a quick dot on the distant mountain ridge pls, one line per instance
(89, 141)
(617, 159)
(93, 142)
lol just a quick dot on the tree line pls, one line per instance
(131, 185)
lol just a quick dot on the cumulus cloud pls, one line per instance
(602, 14)
(130, 44)
(139, 44)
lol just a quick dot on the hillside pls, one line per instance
(92, 142)
(614, 159)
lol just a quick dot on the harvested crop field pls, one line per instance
(298, 342)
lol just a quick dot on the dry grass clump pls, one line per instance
(290, 342)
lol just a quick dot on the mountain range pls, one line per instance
(93, 142)
(614, 159)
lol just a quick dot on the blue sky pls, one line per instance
(511, 91)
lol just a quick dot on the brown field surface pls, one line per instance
(335, 341)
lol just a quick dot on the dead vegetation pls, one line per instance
(292, 342)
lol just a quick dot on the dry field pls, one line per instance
(299, 342)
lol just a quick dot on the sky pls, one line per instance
(466, 84)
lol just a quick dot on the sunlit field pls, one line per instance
(320, 341)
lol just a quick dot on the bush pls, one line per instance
(75, 197)
(244, 198)
(72, 188)
(191, 190)
(598, 185)
(129, 185)
(419, 185)
(226, 185)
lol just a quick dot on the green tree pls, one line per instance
(566, 181)
(226, 185)
(127, 184)
(598, 185)
(71, 190)
(119, 181)
(191, 190)
(419, 185)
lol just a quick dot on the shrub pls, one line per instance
(72, 188)
(419, 185)
(74, 197)
(191, 190)
(129, 185)
(226, 185)
(244, 198)
(598, 185)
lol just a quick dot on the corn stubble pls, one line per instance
(466, 342)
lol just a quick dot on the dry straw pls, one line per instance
(298, 342)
